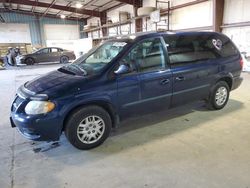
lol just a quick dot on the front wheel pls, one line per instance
(219, 96)
(29, 61)
(88, 127)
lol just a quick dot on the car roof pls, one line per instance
(151, 34)
(50, 47)
(144, 35)
(54, 47)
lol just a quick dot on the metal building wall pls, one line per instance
(237, 23)
(31, 20)
(36, 25)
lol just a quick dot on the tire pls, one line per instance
(88, 127)
(64, 59)
(29, 61)
(219, 96)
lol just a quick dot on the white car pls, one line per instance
(246, 64)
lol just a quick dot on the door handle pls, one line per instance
(165, 81)
(180, 78)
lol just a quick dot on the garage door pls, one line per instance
(14, 33)
(61, 32)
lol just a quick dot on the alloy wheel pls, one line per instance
(91, 129)
(221, 95)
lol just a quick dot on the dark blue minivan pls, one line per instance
(123, 77)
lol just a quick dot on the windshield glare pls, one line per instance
(95, 60)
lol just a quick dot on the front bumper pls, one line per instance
(40, 128)
(236, 82)
(20, 61)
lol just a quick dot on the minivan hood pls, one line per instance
(54, 83)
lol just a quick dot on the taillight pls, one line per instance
(241, 63)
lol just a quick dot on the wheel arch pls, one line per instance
(30, 57)
(228, 80)
(103, 104)
(64, 55)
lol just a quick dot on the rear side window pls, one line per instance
(197, 48)
(188, 49)
(54, 49)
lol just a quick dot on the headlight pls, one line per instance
(20, 57)
(39, 107)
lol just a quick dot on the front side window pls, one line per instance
(148, 55)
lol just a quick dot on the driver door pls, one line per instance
(148, 85)
(128, 90)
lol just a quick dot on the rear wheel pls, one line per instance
(64, 59)
(219, 96)
(29, 61)
(88, 127)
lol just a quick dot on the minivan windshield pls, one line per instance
(96, 59)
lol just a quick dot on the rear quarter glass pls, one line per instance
(228, 47)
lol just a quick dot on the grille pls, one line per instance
(17, 102)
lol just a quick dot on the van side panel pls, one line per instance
(196, 82)
(198, 60)
(194, 65)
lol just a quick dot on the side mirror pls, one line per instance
(122, 69)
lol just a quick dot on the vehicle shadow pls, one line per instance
(148, 128)
(151, 119)
(140, 130)
(178, 112)
(133, 134)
